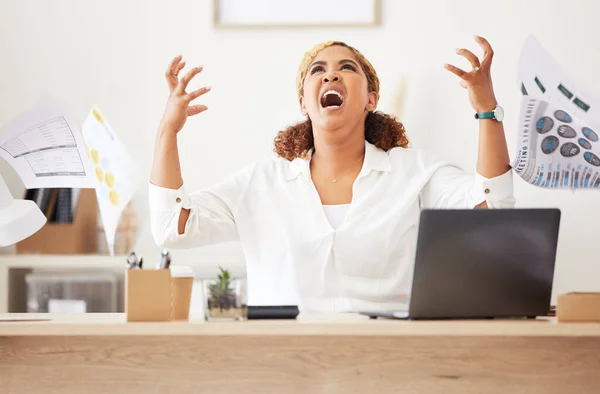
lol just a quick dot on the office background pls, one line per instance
(114, 54)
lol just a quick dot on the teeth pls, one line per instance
(331, 91)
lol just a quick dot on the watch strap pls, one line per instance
(485, 115)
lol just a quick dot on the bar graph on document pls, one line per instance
(46, 148)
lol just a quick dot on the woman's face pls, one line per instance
(336, 90)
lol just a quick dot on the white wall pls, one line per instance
(114, 52)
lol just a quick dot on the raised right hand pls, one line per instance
(178, 106)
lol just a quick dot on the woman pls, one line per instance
(329, 225)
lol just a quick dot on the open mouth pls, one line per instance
(332, 99)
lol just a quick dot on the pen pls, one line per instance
(165, 260)
(132, 261)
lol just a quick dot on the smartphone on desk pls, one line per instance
(272, 312)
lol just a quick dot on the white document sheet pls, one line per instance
(45, 147)
(116, 177)
(559, 130)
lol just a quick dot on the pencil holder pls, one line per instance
(148, 295)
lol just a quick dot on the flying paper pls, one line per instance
(116, 176)
(559, 131)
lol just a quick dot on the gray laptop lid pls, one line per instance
(484, 263)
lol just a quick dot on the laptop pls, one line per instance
(482, 263)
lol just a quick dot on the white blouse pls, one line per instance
(336, 214)
(294, 255)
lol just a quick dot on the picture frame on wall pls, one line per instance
(295, 13)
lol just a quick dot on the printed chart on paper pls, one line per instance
(46, 149)
(559, 144)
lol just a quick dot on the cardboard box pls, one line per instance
(79, 237)
(148, 295)
(158, 295)
(578, 307)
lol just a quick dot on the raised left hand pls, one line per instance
(478, 81)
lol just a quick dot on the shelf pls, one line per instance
(58, 261)
(13, 269)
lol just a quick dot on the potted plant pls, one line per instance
(224, 297)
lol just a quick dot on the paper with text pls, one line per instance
(45, 147)
(558, 143)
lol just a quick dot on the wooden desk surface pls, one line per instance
(102, 354)
(325, 325)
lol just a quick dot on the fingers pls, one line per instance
(172, 80)
(488, 52)
(172, 70)
(455, 70)
(179, 68)
(178, 97)
(485, 64)
(197, 93)
(183, 83)
(196, 109)
(469, 56)
(175, 64)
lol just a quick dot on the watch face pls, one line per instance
(499, 114)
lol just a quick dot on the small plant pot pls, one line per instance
(225, 301)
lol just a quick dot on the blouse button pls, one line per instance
(178, 200)
(487, 191)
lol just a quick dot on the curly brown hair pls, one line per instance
(382, 130)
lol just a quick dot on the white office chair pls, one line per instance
(18, 218)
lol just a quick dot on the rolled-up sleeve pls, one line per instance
(451, 187)
(498, 192)
(212, 213)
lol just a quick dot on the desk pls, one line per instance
(95, 353)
